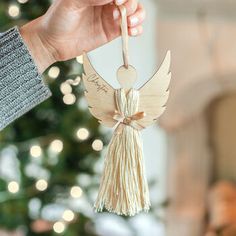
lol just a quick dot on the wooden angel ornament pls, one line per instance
(124, 189)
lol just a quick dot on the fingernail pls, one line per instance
(134, 21)
(134, 31)
(119, 2)
(116, 14)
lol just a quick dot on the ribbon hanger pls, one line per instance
(124, 36)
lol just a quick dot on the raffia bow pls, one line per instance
(130, 120)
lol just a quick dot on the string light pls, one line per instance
(14, 10)
(76, 192)
(79, 59)
(77, 81)
(69, 99)
(56, 146)
(35, 151)
(74, 82)
(22, 1)
(59, 227)
(41, 185)
(97, 145)
(54, 72)
(82, 134)
(68, 215)
(13, 187)
(83, 104)
(65, 88)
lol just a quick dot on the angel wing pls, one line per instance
(99, 94)
(154, 94)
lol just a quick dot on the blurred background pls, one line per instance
(51, 159)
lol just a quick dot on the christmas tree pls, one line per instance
(48, 157)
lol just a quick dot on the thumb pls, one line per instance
(85, 3)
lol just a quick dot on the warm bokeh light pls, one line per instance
(69, 99)
(59, 227)
(68, 215)
(22, 1)
(77, 81)
(41, 185)
(14, 10)
(74, 82)
(97, 145)
(76, 192)
(82, 134)
(65, 88)
(35, 151)
(54, 72)
(56, 146)
(13, 187)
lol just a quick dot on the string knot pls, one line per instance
(129, 120)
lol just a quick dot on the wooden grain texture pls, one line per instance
(155, 93)
(127, 77)
(99, 94)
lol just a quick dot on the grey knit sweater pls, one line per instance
(21, 85)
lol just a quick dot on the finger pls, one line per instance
(131, 7)
(138, 17)
(120, 2)
(83, 3)
(136, 31)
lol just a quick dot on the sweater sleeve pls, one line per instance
(21, 85)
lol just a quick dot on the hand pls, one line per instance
(70, 27)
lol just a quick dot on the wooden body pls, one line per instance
(101, 96)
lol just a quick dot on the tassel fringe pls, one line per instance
(123, 189)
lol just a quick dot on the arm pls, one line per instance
(21, 85)
(66, 30)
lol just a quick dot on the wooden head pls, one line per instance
(127, 77)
